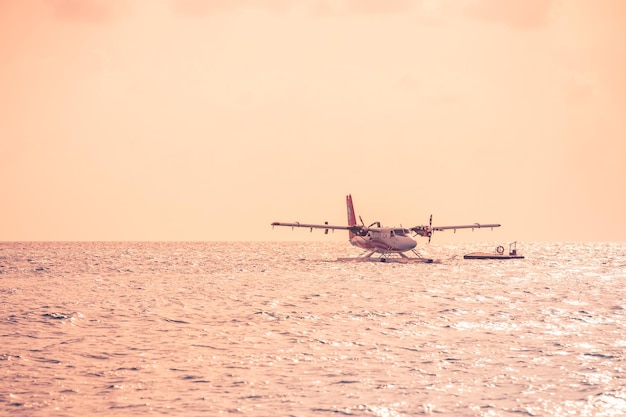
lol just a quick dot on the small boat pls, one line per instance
(499, 253)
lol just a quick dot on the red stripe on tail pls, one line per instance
(351, 215)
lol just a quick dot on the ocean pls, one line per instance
(285, 329)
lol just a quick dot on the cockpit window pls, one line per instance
(401, 232)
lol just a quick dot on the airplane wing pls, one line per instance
(465, 226)
(326, 227)
(311, 226)
(427, 231)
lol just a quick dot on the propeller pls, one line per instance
(424, 231)
(430, 228)
(360, 230)
(375, 223)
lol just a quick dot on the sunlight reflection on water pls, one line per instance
(260, 328)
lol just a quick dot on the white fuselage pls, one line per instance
(385, 240)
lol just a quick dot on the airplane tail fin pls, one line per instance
(351, 215)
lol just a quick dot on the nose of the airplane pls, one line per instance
(408, 243)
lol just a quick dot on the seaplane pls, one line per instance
(387, 243)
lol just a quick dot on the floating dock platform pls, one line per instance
(499, 253)
(389, 260)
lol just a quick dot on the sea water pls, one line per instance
(268, 329)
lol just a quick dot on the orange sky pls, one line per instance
(207, 120)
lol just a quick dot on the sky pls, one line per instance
(194, 120)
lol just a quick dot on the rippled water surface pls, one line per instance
(285, 329)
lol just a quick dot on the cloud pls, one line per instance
(522, 14)
(89, 11)
(357, 7)
(377, 6)
(200, 8)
